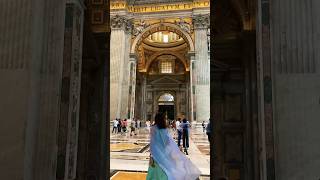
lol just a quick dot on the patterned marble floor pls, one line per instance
(130, 154)
(127, 175)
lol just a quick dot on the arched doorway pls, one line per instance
(166, 105)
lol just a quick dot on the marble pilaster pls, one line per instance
(192, 85)
(118, 61)
(72, 58)
(31, 56)
(202, 68)
(133, 67)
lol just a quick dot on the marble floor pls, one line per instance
(130, 154)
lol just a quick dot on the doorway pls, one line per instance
(168, 110)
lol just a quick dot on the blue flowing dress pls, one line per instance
(169, 160)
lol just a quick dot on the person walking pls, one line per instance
(179, 131)
(115, 126)
(148, 125)
(185, 125)
(203, 126)
(209, 130)
(133, 129)
(119, 126)
(138, 125)
(167, 162)
(125, 124)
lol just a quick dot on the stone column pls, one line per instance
(202, 68)
(118, 56)
(132, 90)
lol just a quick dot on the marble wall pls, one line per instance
(31, 56)
(295, 55)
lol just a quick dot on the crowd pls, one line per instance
(167, 156)
(124, 126)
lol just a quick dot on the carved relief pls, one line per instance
(75, 80)
(184, 25)
(139, 27)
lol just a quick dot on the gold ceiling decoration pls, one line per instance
(117, 5)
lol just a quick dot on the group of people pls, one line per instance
(182, 128)
(124, 125)
(119, 125)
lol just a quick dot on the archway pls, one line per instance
(162, 27)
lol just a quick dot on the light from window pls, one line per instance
(165, 38)
(166, 97)
(166, 67)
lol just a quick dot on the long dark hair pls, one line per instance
(160, 121)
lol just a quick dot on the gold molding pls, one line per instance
(160, 7)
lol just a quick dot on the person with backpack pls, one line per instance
(185, 125)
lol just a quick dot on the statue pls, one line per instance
(139, 28)
(183, 25)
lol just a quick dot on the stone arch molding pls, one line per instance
(161, 27)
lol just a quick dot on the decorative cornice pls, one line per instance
(201, 21)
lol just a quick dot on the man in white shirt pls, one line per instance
(115, 125)
(179, 130)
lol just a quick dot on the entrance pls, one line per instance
(168, 110)
(166, 105)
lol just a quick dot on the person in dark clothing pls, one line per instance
(209, 130)
(119, 126)
(203, 126)
(185, 125)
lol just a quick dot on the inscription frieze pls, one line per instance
(169, 6)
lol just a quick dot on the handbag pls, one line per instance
(155, 172)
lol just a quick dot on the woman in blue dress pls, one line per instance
(167, 162)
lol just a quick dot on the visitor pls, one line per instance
(138, 124)
(179, 131)
(209, 130)
(167, 162)
(203, 126)
(119, 126)
(125, 124)
(115, 126)
(148, 125)
(133, 129)
(185, 125)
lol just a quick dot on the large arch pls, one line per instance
(161, 27)
(160, 53)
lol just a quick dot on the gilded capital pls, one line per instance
(201, 21)
(121, 22)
